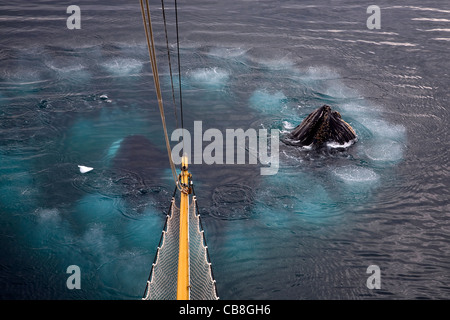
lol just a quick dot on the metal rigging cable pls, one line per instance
(151, 49)
(179, 65)
(170, 62)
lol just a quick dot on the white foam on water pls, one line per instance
(50, 229)
(337, 90)
(227, 52)
(96, 237)
(283, 63)
(123, 66)
(295, 197)
(46, 215)
(320, 73)
(385, 151)
(25, 76)
(101, 245)
(288, 125)
(336, 145)
(122, 255)
(383, 129)
(210, 77)
(359, 110)
(74, 72)
(65, 68)
(355, 174)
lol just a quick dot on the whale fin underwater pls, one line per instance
(137, 154)
(137, 169)
(320, 127)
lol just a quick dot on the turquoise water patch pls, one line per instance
(99, 136)
(49, 229)
(294, 197)
(119, 257)
(308, 193)
(379, 141)
(97, 209)
(112, 225)
(144, 230)
(268, 102)
(18, 192)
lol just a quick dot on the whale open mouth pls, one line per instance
(322, 127)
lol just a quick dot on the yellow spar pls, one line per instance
(179, 240)
(183, 284)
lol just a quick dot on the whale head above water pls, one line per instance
(321, 127)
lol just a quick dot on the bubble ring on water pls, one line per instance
(232, 202)
(356, 174)
(110, 183)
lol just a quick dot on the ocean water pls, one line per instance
(86, 97)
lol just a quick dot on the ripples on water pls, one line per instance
(310, 231)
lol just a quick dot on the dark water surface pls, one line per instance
(308, 232)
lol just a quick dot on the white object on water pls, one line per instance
(84, 169)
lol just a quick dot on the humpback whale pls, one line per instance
(320, 127)
(137, 168)
(138, 155)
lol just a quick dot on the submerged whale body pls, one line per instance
(138, 155)
(320, 127)
(137, 173)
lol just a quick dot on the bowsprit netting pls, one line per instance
(162, 282)
(203, 285)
